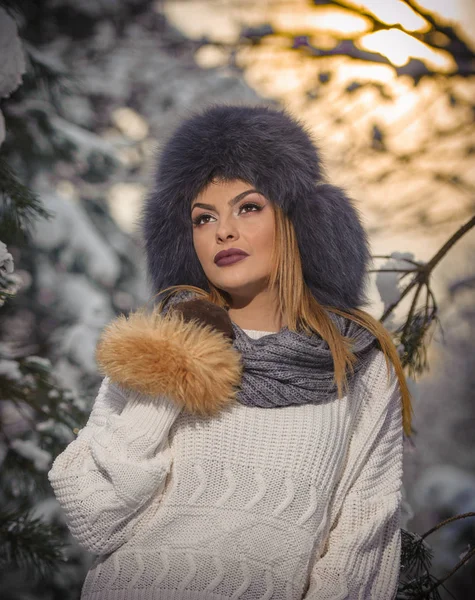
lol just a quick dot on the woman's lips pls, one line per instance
(230, 260)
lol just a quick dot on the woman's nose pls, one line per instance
(226, 231)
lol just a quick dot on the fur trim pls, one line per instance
(273, 152)
(194, 365)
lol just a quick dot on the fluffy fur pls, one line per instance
(274, 153)
(191, 363)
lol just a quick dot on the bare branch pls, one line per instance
(449, 42)
(446, 521)
(425, 270)
(456, 46)
(415, 68)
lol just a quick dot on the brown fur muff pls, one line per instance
(192, 363)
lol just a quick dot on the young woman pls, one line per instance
(247, 439)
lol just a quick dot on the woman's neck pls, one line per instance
(258, 312)
(256, 321)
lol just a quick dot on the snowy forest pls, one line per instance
(88, 93)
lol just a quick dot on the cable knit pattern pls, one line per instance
(290, 503)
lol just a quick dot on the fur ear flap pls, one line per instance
(334, 247)
(192, 364)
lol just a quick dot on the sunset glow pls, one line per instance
(399, 47)
(327, 19)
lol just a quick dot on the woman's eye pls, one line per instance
(252, 205)
(199, 220)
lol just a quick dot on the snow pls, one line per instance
(387, 282)
(12, 65)
(59, 430)
(84, 301)
(11, 370)
(79, 342)
(45, 425)
(11, 281)
(47, 510)
(38, 361)
(80, 403)
(85, 142)
(77, 239)
(6, 259)
(28, 449)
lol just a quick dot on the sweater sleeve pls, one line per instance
(361, 556)
(105, 478)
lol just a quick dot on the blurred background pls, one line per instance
(88, 93)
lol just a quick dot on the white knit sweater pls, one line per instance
(291, 503)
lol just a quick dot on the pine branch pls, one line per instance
(416, 556)
(28, 543)
(49, 78)
(19, 207)
(38, 389)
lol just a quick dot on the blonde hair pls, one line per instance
(303, 312)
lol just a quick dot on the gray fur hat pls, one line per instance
(273, 152)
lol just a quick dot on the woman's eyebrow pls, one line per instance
(231, 202)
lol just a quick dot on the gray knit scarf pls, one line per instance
(288, 367)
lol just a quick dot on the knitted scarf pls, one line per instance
(288, 367)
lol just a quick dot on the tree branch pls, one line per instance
(457, 45)
(415, 68)
(426, 269)
(461, 51)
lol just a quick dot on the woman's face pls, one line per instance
(233, 215)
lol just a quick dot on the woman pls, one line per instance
(246, 441)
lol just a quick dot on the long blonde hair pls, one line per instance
(303, 312)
